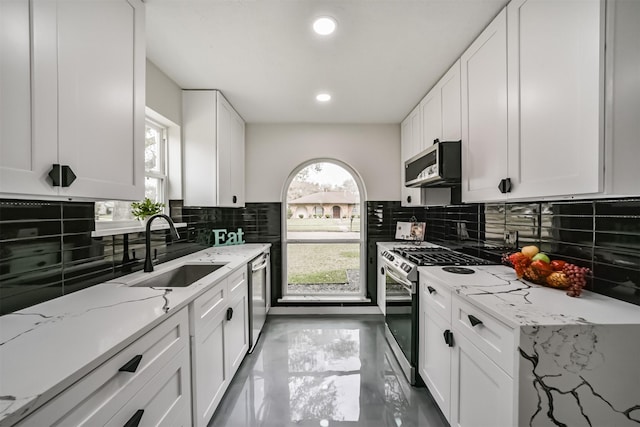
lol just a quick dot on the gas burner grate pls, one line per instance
(439, 256)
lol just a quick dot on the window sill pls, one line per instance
(323, 298)
(113, 229)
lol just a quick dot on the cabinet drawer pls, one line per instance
(96, 397)
(163, 401)
(436, 296)
(238, 283)
(491, 336)
(208, 306)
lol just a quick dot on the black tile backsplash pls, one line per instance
(46, 251)
(46, 248)
(260, 222)
(603, 235)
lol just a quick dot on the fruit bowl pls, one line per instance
(536, 267)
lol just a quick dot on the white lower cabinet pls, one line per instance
(435, 358)
(466, 359)
(236, 339)
(481, 392)
(163, 401)
(219, 342)
(148, 380)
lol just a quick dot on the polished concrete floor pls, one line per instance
(324, 371)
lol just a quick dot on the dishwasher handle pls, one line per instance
(261, 266)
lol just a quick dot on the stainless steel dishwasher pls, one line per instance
(259, 295)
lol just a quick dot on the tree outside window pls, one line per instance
(155, 176)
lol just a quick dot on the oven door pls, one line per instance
(401, 319)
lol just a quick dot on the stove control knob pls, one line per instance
(406, 267)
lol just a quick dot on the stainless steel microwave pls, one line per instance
(437, 166)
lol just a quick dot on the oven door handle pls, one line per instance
(409, 286)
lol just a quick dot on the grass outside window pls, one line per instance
(322, 263)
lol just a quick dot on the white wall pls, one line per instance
(164, 105)
(273, 151)
(163, 96)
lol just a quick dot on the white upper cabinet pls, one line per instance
(449, 86)
(230, 132)
(484, 113)
(555, 97)
(622, 127)
(410, 145)
(533, 103)
(85, 96)
(431, 116)
(213, 135)
(20, 167)
(436, 117)
(440, 109)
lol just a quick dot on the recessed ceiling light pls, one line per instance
(323, 97)
(324, 25)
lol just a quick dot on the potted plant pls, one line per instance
(145, 209)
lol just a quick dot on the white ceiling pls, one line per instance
(262, 54)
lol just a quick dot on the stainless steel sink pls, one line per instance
(180, 277)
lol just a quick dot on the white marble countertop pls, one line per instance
(516, 302)
(47, 347)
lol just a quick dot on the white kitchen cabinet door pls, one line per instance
(88, 95)
(410, 143)
(213, 135)
(482, 394)
(236, 333)
(200, 170)
(209, 374)
(435, 357)
(622, 173)
(556, 87)
(23, 165)
(220, 340)
(484, 113)
(431, 116)
(230, 157)
(450, 96)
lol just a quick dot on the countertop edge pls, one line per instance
(37, 400)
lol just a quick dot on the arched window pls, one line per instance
(323, 257)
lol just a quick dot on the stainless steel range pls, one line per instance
(400, 266)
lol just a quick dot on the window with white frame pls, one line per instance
(155, 165)
(155, 180)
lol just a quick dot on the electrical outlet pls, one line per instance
(511, 238)
(461, 231)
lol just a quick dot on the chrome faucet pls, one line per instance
(148, 265)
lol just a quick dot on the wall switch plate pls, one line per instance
(511, 238)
